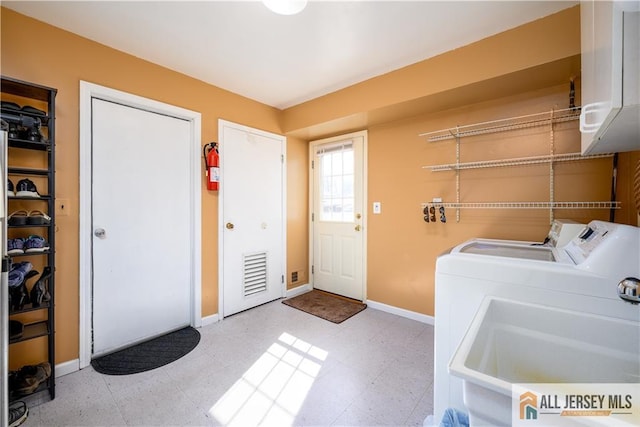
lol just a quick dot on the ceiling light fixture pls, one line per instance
(285, 7)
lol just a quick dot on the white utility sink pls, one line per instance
(513, 342)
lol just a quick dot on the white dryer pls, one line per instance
(583, 276)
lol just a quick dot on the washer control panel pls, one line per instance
(607, 249)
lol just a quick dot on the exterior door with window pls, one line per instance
(338, 221)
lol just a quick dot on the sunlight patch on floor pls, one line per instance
(273, 389)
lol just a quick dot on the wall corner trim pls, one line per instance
(419, 317)
(298, 290)
(68, 367)
(209, 320)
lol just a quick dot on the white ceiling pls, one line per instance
(284, 60)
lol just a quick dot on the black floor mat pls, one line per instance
(149, 354)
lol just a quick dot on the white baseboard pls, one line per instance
(69, 367)
(210, 320)
(419, 317)
(298, 290)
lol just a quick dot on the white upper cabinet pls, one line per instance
(610, 117)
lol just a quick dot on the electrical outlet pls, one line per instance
(377, 208)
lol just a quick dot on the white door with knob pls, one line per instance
(253, 217)
(338, 226)
(141, 213)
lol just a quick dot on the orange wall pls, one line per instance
(520, 71)
(39, 53)
(297, 211)
(402, 248)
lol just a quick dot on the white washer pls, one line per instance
(562, 231)
(583, 275)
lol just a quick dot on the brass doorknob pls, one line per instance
(229, 226)
(357, 227)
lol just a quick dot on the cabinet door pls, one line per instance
(601, 39)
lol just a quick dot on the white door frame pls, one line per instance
(87, 92)
(365, 203)
(221, 199)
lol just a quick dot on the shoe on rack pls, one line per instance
(19, 217)
(36, 217)
(39, 292)
(19, 294)
(23, 266)
(29, 378)
(17, 272)
(35, 243)
(16, 329)
(15, 246)
(10, 189)
(18, 413)
(32, 110)
(8, 105)
(26, 188)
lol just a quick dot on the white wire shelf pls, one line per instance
(526, 205)
(502, 125)
(520, 161)
(547, 118)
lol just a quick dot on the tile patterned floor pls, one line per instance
(273, 365)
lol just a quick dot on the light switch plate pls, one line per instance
(377, 208)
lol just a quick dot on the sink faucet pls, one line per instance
(628, 290)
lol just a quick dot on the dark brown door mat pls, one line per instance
(325, 305)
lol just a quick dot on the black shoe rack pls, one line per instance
(31, 155)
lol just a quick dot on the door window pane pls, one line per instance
(336, 183)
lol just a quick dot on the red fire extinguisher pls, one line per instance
(212, 165)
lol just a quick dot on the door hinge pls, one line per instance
(283, 278)
(313, 164)
(312, 270)
(313, 217)
(282, 157)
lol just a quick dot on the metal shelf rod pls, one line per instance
(527, 205)
(502, 125)
(519, 161)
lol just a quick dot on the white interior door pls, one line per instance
(141, 224)
(252, 217)
(338, 222)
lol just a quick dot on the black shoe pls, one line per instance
(16, 329)
(39, 292)
(26, 188)
(19, 294)
(18, 413)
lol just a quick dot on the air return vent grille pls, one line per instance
(255, 273)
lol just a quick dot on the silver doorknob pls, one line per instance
(100, 233)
